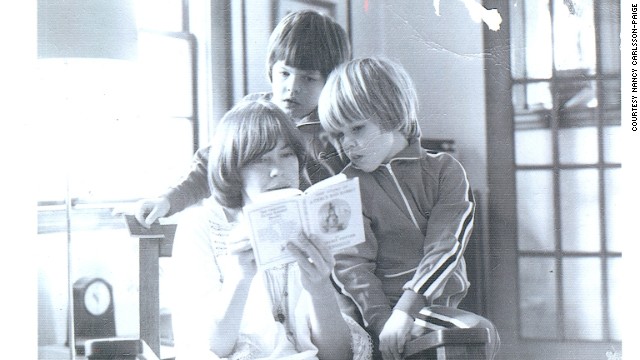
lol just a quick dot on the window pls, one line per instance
(115, 130)
(566, 117)
(554, 179)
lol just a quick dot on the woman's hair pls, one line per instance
(308, 40)
(365, 87)
(249, 130)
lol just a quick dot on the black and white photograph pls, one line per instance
(490, 140)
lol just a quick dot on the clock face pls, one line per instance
(97, 298)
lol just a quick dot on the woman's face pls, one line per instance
(276, 169)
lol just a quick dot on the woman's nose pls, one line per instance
(275, 171)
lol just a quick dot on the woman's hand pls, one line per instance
(240, 262)
(314, 259)
(329, 331)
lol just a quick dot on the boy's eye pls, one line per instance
(311, 79)
(287, 154)
(260, 160)
(357, 128)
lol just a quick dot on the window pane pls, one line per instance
(115, 162)
(531, 29)
(573, 92)
(533, 147)
(582, 291)
(538, 298)
(52, 165)
(609, 26)
(611, 101)
(574, 36)
(161, 15)
(532, 104)
(616, 296)
(611, 144)
(517, 23)
(579, 206)
(166, 75)
(535, 210)
(578, 145)
(577, 101)
(77, 100)
(614, 211)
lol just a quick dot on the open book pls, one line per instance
(330, 210)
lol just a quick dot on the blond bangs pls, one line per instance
(338, 105)
(367, 87)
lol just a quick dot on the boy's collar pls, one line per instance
(307, 124)
(310, 123)
(411, 151)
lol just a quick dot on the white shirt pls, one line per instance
(196, 283)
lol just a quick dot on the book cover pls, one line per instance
(331, 210)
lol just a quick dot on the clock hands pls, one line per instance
(96, 298)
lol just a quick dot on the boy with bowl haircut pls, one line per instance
(409, 275)
(303, 49)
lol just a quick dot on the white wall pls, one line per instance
(443, 55)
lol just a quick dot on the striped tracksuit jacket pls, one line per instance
(418, 213)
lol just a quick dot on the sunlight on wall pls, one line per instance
(96, 132)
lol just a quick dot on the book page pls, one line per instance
(331, 211)
(328, 182)
(273, 224)
(334, 214)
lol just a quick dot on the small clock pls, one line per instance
(93, 310)
(97, 297)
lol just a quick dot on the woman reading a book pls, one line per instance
(223, 306)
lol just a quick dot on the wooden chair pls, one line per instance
(154, 243)
(448, 344)
(467, 344)
(150, 252)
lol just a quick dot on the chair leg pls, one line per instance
(460, 344)
(451, 352)
(464, 352)
(149, 284)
